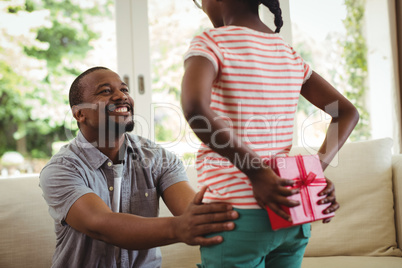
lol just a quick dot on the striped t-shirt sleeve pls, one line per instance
(306, 67)
(203, 45)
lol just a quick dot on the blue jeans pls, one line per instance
(253, 243)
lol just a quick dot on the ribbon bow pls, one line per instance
(302, 183)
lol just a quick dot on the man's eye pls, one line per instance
(124, 90)
(105, 90)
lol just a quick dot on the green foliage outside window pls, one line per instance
(355, 57)
(351, 71)
(31, 108)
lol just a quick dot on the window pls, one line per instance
(351, 44)
(44, 46)
(146, 49)
(317, 38)
(172, 25)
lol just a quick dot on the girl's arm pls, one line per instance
(344, 118)
(344, 115)
(269, 189)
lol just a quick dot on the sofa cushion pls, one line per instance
(26, 229)
(364, 224)
(352, 261)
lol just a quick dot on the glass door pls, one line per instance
(172, 25)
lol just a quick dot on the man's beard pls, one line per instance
(118, 127)
(113, 127)
(130, 126)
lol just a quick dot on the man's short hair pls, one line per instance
(76, 92)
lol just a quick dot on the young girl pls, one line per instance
(240, 91)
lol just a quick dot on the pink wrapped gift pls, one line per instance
(306, 170)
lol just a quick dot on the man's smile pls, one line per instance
(121, 109)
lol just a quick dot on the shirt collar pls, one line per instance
(92, 154)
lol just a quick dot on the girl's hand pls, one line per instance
(329, 191)
(272, 191)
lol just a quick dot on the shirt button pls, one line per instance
(111, 188)
(109, 164)
(146, 194)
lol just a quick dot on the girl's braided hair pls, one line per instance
(274, 7)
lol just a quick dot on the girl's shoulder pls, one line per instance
(232, 31)
(236, 32)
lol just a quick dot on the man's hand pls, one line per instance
(272, 191)
(329, 191)
(201, 219)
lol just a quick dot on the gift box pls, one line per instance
(308, 175)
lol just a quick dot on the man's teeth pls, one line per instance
(121, 110)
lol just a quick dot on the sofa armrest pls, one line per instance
(27, 237)
(397, 189)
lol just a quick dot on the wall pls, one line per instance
(398, 66)
(383, 76)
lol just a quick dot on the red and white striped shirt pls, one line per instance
(259, 78)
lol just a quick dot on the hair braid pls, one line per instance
(274, 7)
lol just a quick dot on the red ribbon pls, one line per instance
(302, 183)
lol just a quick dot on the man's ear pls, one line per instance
(78, 113)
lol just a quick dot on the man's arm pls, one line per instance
(91, 216)
(178, 196)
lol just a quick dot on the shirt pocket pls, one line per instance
(145, 202)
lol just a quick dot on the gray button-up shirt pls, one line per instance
(80, 168)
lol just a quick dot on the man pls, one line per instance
(103, 187)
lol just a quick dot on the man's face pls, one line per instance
(107, 104)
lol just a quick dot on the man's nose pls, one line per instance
(119, 95)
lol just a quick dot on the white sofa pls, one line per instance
(366, 231)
